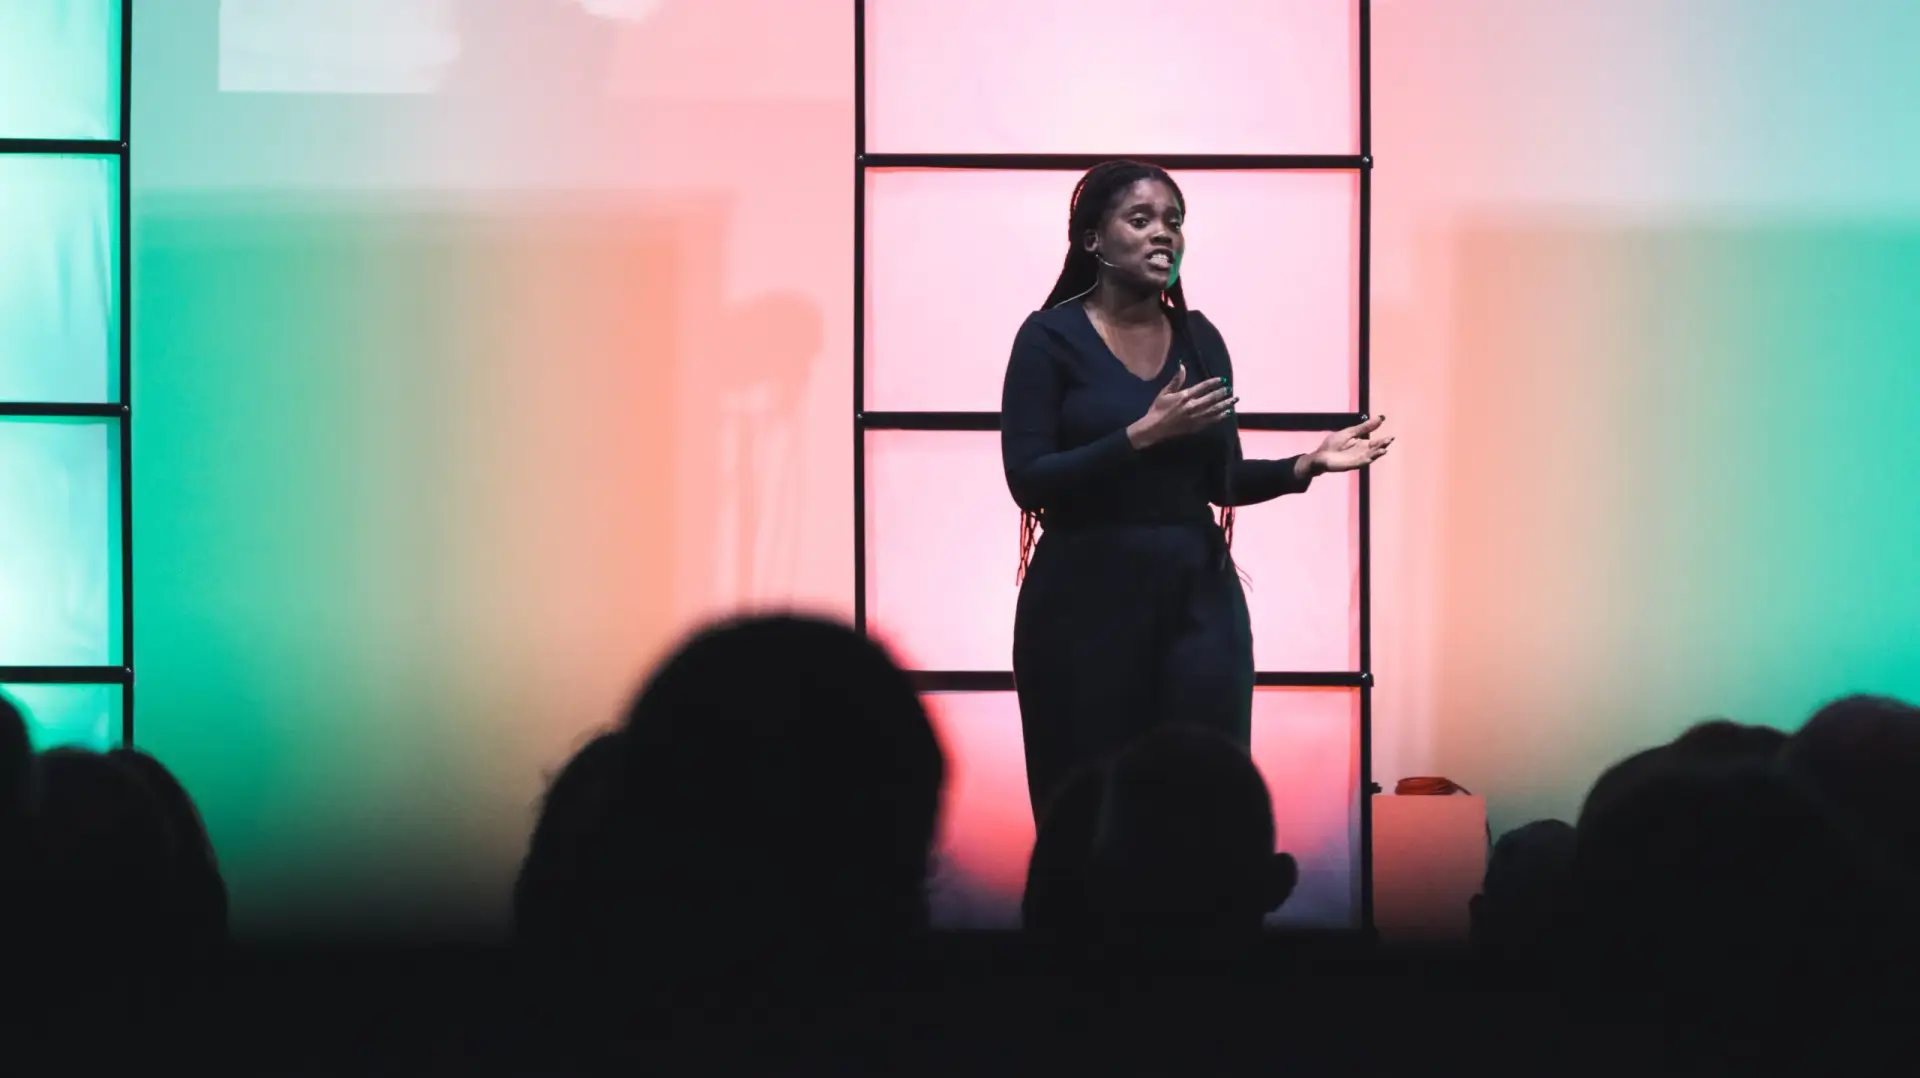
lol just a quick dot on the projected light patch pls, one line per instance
(383, 46)
(59, 272)
(337, 46)
(69, 716)
(59, 70)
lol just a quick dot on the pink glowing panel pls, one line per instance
(986, 822)
(1134, 76)
(957, 259)
(943, 545)
(1300, 561)
(1304, 743)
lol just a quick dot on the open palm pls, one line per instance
(1354, 447)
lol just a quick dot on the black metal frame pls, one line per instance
(122, 410)
(865, 421)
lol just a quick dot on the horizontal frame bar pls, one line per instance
(66, 675)
(1293, 421)
(1002, 680)
(44, 409)
(1078, 162)
(86, 146)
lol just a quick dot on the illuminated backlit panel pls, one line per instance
(943, 546)
(1306, 744)
(956, 260)
(76, 716)
(59, 268)
(1303, 743)
(986, 830)
(59, 542)
(59, 69)
(1122, 76)
(1299, 558)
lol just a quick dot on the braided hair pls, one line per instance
(1093, 197)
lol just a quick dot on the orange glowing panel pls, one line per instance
(943, 545)
(1133, 76)
(1304, 743)
(957, 259)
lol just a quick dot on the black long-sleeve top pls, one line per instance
(1064, 412)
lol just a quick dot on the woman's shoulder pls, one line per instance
(1207, 337)
(1204, 326)
(1051, 328)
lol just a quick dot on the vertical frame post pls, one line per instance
(126, 369)
(859, 315)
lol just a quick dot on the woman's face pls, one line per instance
(1140, 241)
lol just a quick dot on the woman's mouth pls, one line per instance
(1162, 260)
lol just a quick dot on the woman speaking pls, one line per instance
(1118, 438)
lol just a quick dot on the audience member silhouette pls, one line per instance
(771, 797)
(1183, 859)
(1711, 892)
(1520, 898)
(16, 759)
(1723, 740)
(777, 802)
(201, 890)
(1056, 906)
(577, 803)
(100, 856)
(1862, 753)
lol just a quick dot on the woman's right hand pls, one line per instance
(1178, 411)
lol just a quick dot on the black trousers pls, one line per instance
(1121, 629)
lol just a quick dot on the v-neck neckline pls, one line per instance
(1173, 349)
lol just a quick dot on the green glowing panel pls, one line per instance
(69, 716)
(59, 542)
(59, 278)
(59, 68)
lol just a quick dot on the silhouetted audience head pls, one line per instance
(1056, 904)
(1722, 740)
(1519, 902)
(202, 890)
(16, 758)
(573, 811)
(100, 854)
(1863, 754)
(778, 796)
(1184, 846)
(1723, 873)
(1616, 781)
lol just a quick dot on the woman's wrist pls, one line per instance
(1138, 435)
(1308, 465)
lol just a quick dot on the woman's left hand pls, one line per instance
(1355, 447)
